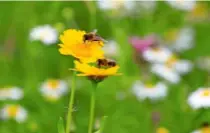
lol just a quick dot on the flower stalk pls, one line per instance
(71, 103)
(92, 107)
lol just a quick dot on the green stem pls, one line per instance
(92, 107)
(71, 103)
(92, 10)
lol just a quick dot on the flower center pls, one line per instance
(53, 84)
(171, 35)
(149, 86)
(206, 93)
(156, 49)
(171, 61)
(200, 10)
(82, 50)
(12, 110)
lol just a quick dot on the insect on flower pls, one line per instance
(106, 63)
(73, 44)
(98, 71)
(92, 36)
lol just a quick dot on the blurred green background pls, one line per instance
(27, 64)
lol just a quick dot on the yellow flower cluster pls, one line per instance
(85, 52)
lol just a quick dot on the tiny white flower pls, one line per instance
(97, 123)
(115, 4)
(15, 112)
(46, 34)
(111, 49)
(11, 93)
(200, 98)
(157, 54)
(152, 92)
(73, 126)
(183, 40)
(54, 89)
(166, 72)
(204, 63)
(186, 5)
(147, 5)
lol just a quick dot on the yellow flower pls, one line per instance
(162, 130)
(94, 72)
(205, 128)
(73, 44)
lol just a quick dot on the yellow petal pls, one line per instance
(73, 44)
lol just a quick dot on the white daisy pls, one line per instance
(180, 66)
(46, 34)
(183, 40)
(15, 112)
(4, 94)
(111, 49)
(115, 4)
(153, 92)
(166, 72)
(11, 93)
(54, 89)
(183, 66)
(172, 69)
(186, 5)
(200, 98)
(157, 54)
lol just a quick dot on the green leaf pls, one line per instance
(61, 126)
